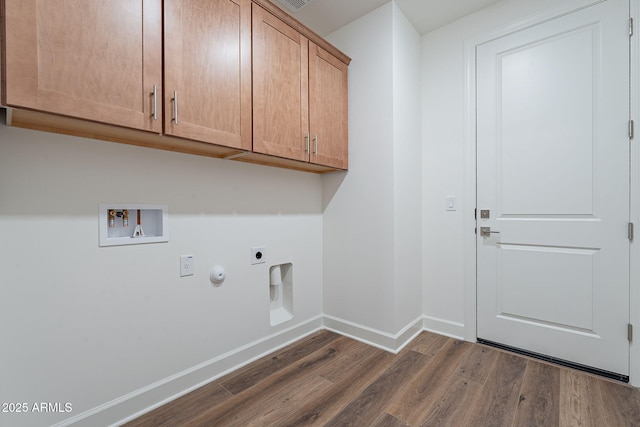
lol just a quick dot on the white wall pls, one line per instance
(87, 325)
(407, 171)
(446, 306)
(359, 204)
(372, 213)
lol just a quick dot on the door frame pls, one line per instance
(470, 171)
(634, 277)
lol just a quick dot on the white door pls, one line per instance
(553, 170)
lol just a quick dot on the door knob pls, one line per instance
(486, 232)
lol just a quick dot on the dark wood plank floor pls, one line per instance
(327, 379)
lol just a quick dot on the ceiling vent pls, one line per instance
(294, 5)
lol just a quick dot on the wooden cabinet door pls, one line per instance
(92, 59)
(280, 88)
(328, 107)
(208, 66)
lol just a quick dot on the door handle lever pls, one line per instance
(486, 232)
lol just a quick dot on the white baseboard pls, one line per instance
(444, 327)
(373, 337)
(139, 402)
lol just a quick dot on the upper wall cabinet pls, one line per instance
(235, 79)
(328, 110)
(299, 95)
(93, 60)
(207, 57)
(280, 88)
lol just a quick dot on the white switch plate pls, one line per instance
(451, 203)
(186, 265)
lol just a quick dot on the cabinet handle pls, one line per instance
(155, 102)
(175, 107)
(306, 140)
(315, 145)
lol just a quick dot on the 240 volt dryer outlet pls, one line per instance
(186, 265)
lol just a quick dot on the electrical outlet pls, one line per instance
(258, 255)
(186, 265)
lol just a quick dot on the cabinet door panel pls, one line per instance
(328, 113)
(89, 59)
(208, 64)
(280, 88)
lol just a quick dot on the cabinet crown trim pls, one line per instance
(302, 29)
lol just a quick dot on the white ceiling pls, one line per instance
(326, 16)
